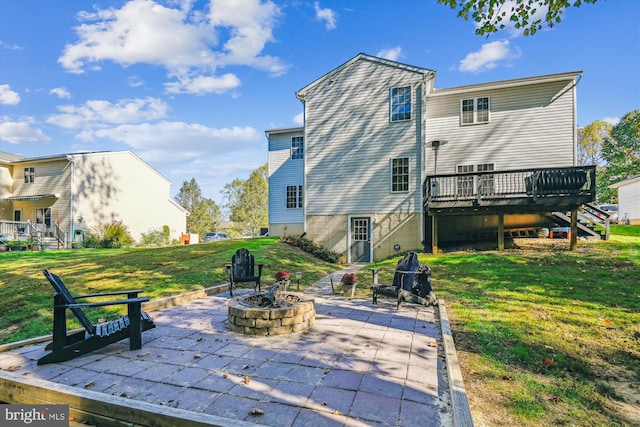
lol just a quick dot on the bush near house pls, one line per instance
(113, 235)
(311, 248)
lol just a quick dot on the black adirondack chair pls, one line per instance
(411, 280)
(242, 270)
(94, 336)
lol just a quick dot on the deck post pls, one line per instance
(574, 230)
(434, 233)
(501, 231)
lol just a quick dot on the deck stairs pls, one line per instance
(588, 220)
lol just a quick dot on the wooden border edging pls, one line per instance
(103, 409)
(459, 401)
(154, 305)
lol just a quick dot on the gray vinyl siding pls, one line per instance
(530, 126)
(350, 141)
(283, 171)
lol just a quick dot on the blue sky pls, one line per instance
(190, 86)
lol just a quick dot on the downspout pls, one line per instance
(72, 198)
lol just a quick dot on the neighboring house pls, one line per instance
(66, 195)
(628, 200)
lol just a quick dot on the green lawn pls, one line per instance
(545, 336)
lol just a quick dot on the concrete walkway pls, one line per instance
(359, 365)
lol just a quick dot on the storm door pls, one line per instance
(360, 240)
(43, 219)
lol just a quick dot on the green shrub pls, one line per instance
(313, 248)
(113, 235)
(156, 237)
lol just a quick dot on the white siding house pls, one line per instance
(370, 127)
(629, 200)
(83, 190)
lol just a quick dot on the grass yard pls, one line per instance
(545, 336)
(26, 296)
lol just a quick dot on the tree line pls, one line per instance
(245, 204)
(614, 149)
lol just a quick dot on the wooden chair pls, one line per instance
(94, 336)
(411, 280)
(242, 270)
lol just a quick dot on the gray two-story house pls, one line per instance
(387, 163)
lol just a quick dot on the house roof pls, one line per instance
(501, 84)
(631, 180)
(363, 57)
(12, 158)
(284, 130)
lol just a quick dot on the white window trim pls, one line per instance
(475, 111)
(292, 150)
(391, 104)
(299, 190)
(391, 175)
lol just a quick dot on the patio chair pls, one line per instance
(66, 346)
(411, 281)
(242, 270)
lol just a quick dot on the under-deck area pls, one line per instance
(513, 192)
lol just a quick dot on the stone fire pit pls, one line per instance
(290, 312)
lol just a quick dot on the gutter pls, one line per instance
(72, 198)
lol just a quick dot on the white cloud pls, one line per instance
(7, 96)
(24, 131)
(190, 45)
(172, 142)
(488, 57)
(299, 119)
(200, 85)
(97, 113)
(135, 81)
(612, 120)
(326, 15)
(392, 54)
(61, 92)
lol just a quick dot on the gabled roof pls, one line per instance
(363, 57)
(501, 84)
(630, 180)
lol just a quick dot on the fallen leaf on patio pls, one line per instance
(143, 354)
(197, 356)
(245, 366)
(13, 368)
(247, 380)
(224, 375)
(336, 412)
(548, 362)
(324, 403)
(256, 411)
(200, 339)
(89, 384)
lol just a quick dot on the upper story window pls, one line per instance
(400, 175)
(401, 103)
(29, 175)
(294, 196)
(297, 147)
(474, 110)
